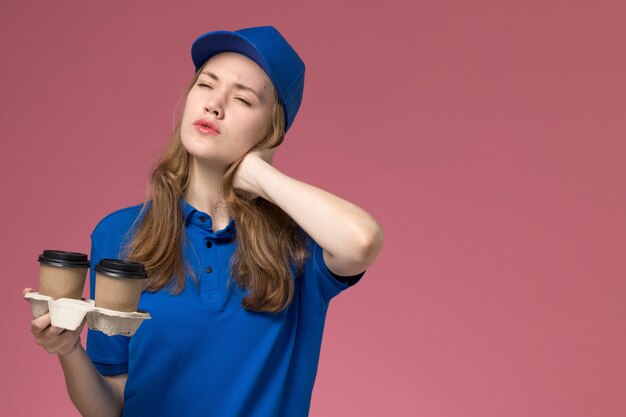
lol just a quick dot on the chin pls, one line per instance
(208, 158)
(195, 144)
(207, 151)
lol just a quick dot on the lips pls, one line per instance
(207, 125)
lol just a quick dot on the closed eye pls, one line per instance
(238, 98)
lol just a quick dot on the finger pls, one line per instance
(25, 290)
(64, 343)
(40, 323)
(53, 331)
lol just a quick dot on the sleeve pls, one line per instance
(109, 354)
(320, 285)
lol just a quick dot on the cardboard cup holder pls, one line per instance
(68, 313)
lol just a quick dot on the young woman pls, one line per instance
(243, 260)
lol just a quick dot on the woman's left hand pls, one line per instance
(245, 175)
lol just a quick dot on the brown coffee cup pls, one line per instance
(119, 284)
(62, 274)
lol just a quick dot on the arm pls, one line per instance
(118, 383)
(351, 237)
(92, 393)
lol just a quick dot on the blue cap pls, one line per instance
(268, 48)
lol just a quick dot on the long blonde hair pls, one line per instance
(269, 242)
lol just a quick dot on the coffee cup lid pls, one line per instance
(64, 259)
(121, 268)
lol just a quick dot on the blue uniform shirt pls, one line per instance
(202, 353)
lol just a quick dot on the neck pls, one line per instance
(203, 191)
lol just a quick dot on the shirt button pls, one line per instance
(202, 219)
(208, 244)
(209, 269)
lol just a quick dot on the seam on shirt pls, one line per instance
(320, 309)
(307, 239)
(110, 370)
(114, 213)
(321, 264)
(298, 282)
(320, 267)
(106, 362)
(94, 254)
(95, 358)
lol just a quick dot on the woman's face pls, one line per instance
(235, 94)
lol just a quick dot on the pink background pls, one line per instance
(487, 137)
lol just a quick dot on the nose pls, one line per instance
(214, 106)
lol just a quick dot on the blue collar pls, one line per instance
(194, 216)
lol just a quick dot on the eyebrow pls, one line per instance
(238, 85)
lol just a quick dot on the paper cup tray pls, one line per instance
(68, 314)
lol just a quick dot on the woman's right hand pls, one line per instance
(54, 339)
